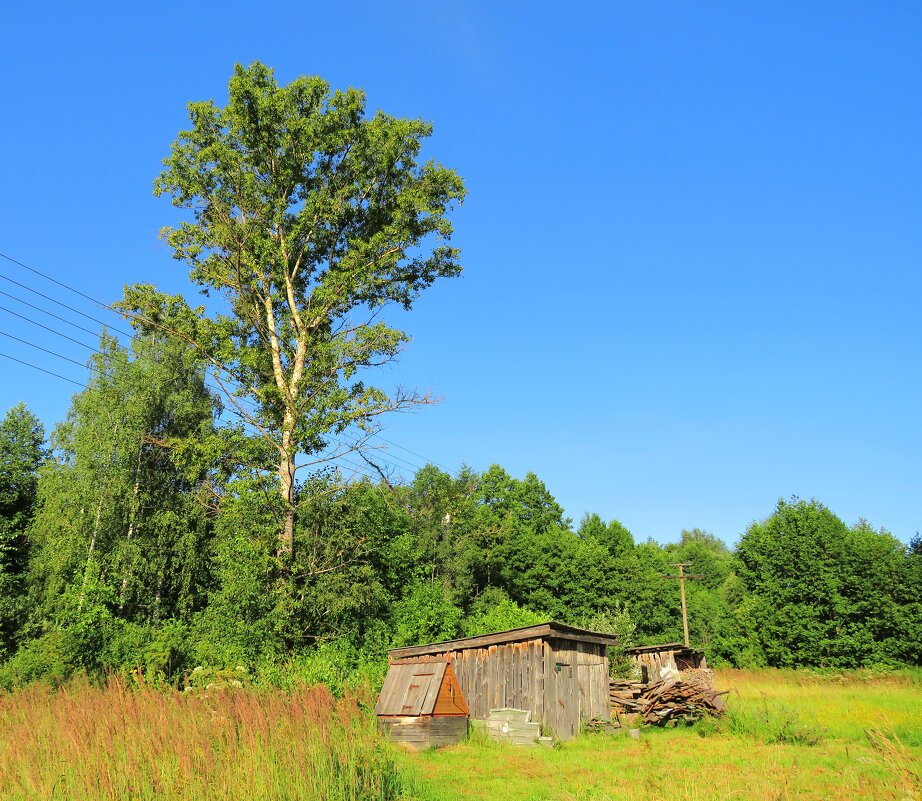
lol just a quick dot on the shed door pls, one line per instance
(567, 701)
(593, 691)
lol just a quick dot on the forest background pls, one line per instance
(177, 590)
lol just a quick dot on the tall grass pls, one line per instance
(838, 704)
(116, 742)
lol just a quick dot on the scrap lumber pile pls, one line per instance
(688, 696)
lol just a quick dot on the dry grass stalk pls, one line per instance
(903, 766)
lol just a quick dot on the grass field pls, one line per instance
(788, 735)
(84, 743)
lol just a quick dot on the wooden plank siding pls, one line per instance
(411, 688)
(421, 732)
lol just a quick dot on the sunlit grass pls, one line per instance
(746, 760)
(844, 705)
(82, 742)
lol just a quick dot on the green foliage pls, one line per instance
(557, 573)
(824, 594)
(378, 566)
(613, 535)
(337, 664)
(615, 621)
(425, 614)
(309, 217)
(21, 454)
(43, 658)
(652, 602)
(494, 611)
(114, 504)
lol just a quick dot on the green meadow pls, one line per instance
(787, 735)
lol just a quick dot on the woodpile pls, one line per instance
(687, 697)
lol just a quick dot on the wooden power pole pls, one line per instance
(681, 577)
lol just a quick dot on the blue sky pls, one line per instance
(692, 239)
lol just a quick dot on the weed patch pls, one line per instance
(776, 724)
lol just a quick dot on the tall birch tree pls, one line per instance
(309, 217)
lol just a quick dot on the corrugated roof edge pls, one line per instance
(547, 630)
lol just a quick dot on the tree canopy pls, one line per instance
(309, 218)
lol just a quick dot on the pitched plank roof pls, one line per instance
(549, 630)
(411, 688)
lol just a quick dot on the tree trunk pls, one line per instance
(89, 554)
(131, 528)
(286, 545)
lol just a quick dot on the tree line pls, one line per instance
(119, 551)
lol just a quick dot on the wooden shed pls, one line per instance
(421, 704)
(558, 673)
(652, 658)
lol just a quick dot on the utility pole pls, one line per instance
(681, 577)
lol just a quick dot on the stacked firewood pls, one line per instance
(626, 694)
(686, 697)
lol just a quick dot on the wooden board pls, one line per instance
(451, 699)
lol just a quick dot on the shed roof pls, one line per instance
(542, 631)
(646, 649)
(411, 688)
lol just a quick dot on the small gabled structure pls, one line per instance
(421, 704)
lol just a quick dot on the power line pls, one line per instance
(355, 467)
(52, 330)
(39, 347)
(42, 369)
(354, 446)
(424, 458)
(69, 307)
(96, 301)
(54, 280)
(62, 304)
(131, 315)
(50, 314)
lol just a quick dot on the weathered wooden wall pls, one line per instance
(502, 677)
(676, 658)
(654, 660)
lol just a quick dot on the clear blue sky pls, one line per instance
(692, 242)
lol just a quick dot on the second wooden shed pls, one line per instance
(652, 658)
(558, 673)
